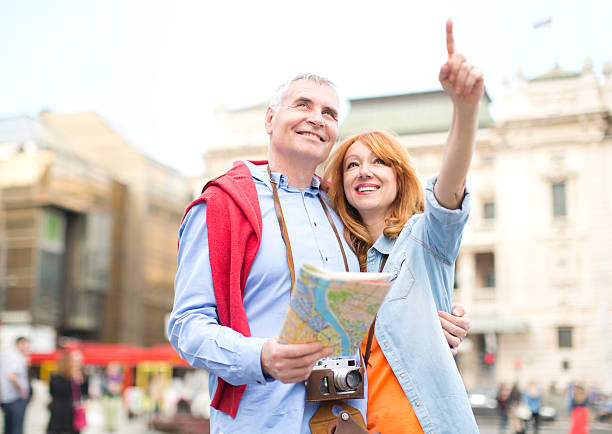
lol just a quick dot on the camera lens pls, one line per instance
(349, 379)
(353, 379)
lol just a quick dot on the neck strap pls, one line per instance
(366, 356)
(283, 227)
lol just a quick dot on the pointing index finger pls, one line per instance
(450, 41)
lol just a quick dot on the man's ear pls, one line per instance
(269, 115)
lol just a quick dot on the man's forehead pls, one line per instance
(312, 90)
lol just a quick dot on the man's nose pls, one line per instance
(316, 119)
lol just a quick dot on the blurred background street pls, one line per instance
(37, 417)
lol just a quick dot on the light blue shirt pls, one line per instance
(267, 404)
(13, 361)
(408, 330)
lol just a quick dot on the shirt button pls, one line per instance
(326, 259)
(402, 375)
(315, 223)
(417, 404)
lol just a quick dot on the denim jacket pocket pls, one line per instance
(402, 282)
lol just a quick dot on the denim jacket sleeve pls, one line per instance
(444, 227)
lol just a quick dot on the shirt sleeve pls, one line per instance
(443, 226)
(194, 328)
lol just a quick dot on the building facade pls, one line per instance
(87, 229)
(535, 264)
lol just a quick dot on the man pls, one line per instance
(233, 280)
(15, 386)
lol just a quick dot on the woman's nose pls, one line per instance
(364, 171)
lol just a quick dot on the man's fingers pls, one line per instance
(299, 350)
(450, 41)
(290, 363)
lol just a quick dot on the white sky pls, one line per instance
(155, 70)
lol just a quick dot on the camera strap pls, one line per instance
(283, 227)
(366, 356)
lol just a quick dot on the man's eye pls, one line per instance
(330, 114)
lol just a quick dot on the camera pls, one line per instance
(335, 378)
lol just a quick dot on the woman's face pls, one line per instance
(370, 185)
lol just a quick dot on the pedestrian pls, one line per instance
(533, 398)
(15, 386)
(67, 414)
(579, 421)
(113, 381)
(503, 404)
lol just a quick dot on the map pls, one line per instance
(333, 308)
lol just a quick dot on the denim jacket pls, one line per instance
(408, 330)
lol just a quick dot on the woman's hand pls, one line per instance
(462, 81)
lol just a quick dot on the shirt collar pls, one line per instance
(260, 173)
(384, 245)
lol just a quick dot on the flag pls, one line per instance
(547, 22)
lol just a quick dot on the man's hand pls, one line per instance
(461, 80)
(291, 363)
(455, 326)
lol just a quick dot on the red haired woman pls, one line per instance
(393, 226)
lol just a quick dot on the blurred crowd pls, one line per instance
(522, 410)
(79, 396)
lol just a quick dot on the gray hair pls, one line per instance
(280, 93)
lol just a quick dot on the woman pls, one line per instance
(65, 391)
(579, 421)
(394, 228)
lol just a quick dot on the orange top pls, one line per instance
(389, 410)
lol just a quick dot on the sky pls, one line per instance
(157, 70)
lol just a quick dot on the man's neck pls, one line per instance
(298, 173)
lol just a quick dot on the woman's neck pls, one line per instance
(375, 225)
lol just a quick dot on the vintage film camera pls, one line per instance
(335, 378)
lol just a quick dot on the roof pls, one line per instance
(411, 113)
(555, 74)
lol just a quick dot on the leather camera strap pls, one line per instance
(366, 356)
(283, 227)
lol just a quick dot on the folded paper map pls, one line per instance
(333, 308)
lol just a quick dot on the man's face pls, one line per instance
(24, 346)
(306, 123)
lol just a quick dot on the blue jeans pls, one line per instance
(14, 413)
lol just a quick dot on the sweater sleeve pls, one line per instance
(194, 328)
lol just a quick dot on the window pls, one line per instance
(564, 335)
(485, 270)
(558, 199)
(488, 210)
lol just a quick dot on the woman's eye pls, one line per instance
(351, 165)
(380, 161)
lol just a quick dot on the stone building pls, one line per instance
(535, 265)
(87, 228)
